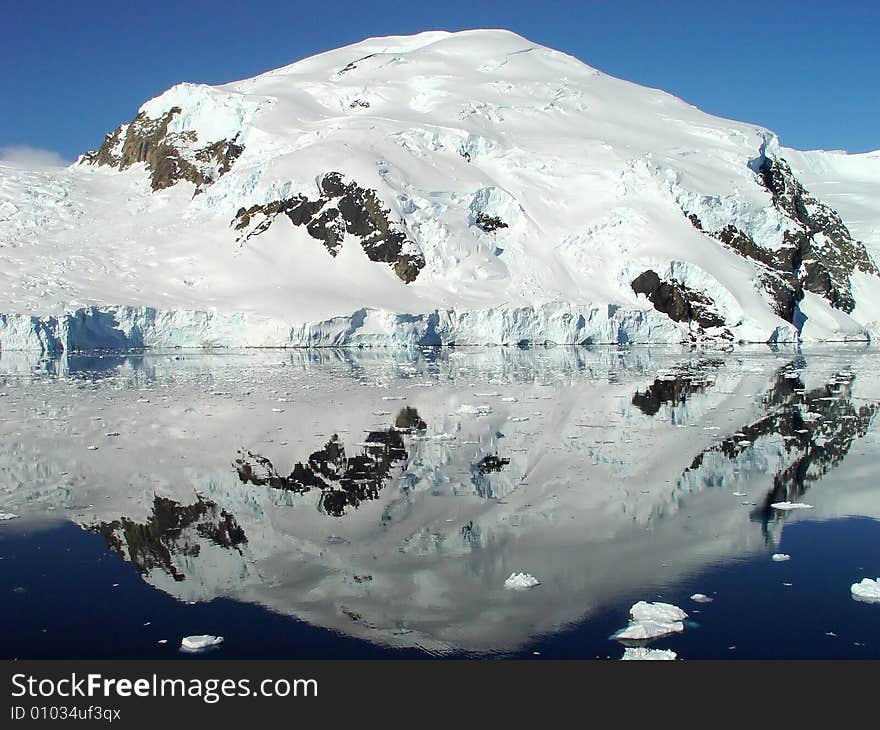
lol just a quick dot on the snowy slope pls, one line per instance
(851, 184)
(469, 187)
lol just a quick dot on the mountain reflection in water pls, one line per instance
(388, 495)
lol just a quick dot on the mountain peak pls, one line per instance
(465, 187)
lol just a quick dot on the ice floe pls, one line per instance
(637, 653)
(791, 505)
(701, 598)
(867, 590)
(521, 581)
(650, 620)
(199, 642)
(780, 557)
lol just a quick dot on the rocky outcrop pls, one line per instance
(491, 463)
(817, 252)
(489, 223)
(823, 252)
(341, 208)
(170, 156)
(678, 302)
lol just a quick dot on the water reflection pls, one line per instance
(388, 494)
(173, 531)
(343, 481)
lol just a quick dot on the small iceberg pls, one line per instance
(639, 653)
(866, 590)
(780, 557)
(791, 505)
(701, 598)
(7, 516)
(199, 642)
(521, 581)
(651, 620)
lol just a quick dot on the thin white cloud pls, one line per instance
(31, 157)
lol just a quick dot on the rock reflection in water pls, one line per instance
(558, 462)
(343, 481)
(677, 386)
(172, 530)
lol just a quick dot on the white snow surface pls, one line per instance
(867, 589)
(589, 172)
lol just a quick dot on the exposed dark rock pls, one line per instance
(168, 532)
(353, 65)
(489, 223)
(818, 254)
(341, 208)
(825, 255)
(166, 154)
(344, 481)
(678, 387)
(491, 463)
(677, 301)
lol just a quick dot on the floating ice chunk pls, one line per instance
(650, 620)
(780, 557)
(791, 505)
(480, 410)
(7, 516)
(199, 642)
(639, 653)
(521, 581)
(508, 399)
(867, 590)
(701, 598)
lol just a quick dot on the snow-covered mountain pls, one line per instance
(465, 188)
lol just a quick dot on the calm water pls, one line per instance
(370, 504)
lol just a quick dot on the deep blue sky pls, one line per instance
(74, 69)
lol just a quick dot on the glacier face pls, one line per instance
(466, 188)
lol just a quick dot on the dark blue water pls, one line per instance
(59, 601)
